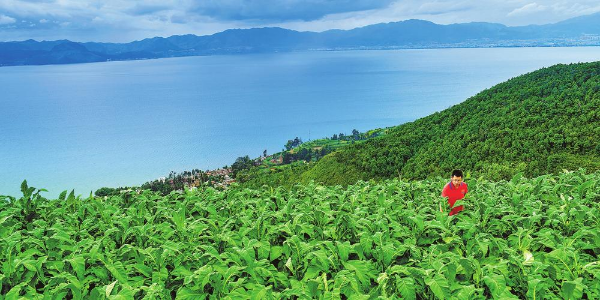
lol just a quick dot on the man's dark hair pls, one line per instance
(457, 173)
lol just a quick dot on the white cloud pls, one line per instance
(126, 20)
(528, 9)
(444, 7)
(282, 10)
(576, 9)
(6, 20)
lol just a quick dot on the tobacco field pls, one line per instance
(523, 238)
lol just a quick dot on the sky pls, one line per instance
(125, 20)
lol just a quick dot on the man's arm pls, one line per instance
(444, 194)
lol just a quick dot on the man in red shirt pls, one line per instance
(456, 189)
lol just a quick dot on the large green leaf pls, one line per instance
(362, 270)
(185, 293)
(109, 288)
(275, 252)
(536, 288)
(406, 287)
(78, 265)
(464, 292)
(572, 289)
(438, 285)
(497, 285)
(117, 270)
(343, 250)
(15, 291)
(126, 293)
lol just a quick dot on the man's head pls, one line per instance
(457, 178)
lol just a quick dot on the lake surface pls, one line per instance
(113, 124)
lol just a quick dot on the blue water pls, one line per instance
(114, 124)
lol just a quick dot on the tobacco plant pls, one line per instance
(524, 238)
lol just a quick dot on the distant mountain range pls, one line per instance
(580, 31)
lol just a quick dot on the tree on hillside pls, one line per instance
(355, 134)
(291, 144)
(304, 154)
(288, 158)
(241, 163)
(105, 191)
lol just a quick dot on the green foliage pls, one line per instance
(523, 238)
(537, 123)
(240, 164)
(29, 202)
(286, 175)
(288, 171)
(174, 182)
(291, 144)
(106, 191)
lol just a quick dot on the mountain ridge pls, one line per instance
(407, 34)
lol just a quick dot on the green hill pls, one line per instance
(537, 123)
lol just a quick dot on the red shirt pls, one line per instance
(453, 193)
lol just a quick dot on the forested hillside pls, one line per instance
(537, 123)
